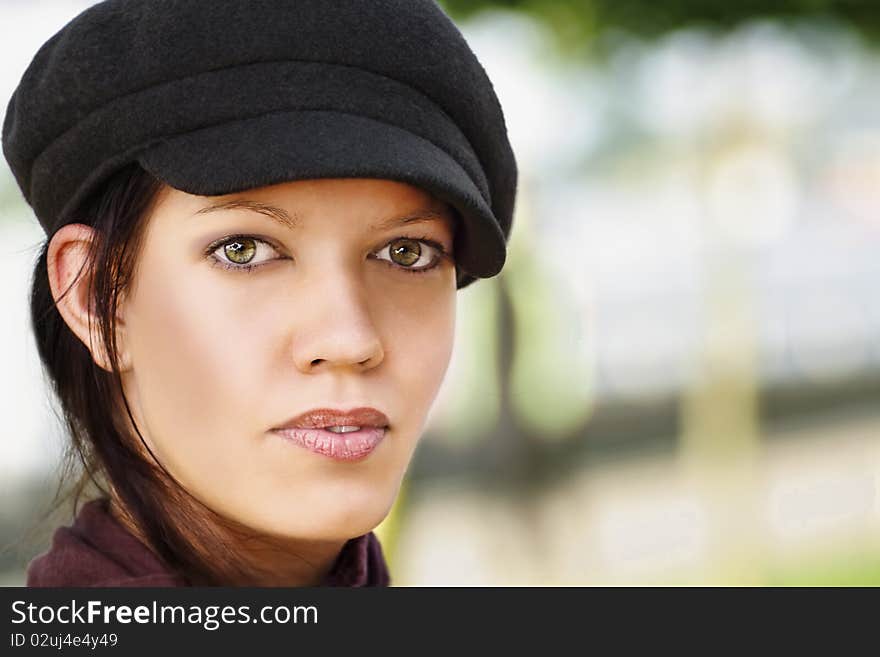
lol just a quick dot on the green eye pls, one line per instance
(405, 252)
(241, 250)
(239, 253)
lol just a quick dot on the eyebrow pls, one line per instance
(283, 217)
(410, 218)
(277, 214)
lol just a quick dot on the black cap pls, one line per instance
(223, 96)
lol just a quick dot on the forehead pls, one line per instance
(295, 201)
(362, 194)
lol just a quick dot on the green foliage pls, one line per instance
(841, 569)
(576, 21)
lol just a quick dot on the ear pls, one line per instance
(65, 259)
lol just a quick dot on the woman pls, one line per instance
(258, 214)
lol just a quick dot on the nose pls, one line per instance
(336, 326)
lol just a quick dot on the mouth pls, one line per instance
(341, 435)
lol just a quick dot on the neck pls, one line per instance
(282, 562)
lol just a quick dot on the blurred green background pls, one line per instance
(676, 379)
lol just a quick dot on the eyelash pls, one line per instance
(442, 254)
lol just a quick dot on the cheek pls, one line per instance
(193, 352)
(420, 352)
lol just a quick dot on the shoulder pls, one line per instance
(96, 550)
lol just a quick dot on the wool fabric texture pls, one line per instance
(219, 97)
(97, 550)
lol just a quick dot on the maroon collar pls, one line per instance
(99, 551)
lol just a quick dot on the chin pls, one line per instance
(348, 523)
(328, 521)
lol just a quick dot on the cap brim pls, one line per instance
(299, 145)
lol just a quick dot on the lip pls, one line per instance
(320, 418)
(352, 446)
(308, 430)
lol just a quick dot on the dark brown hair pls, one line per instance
(103, 451)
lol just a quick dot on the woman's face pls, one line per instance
(326, 316)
